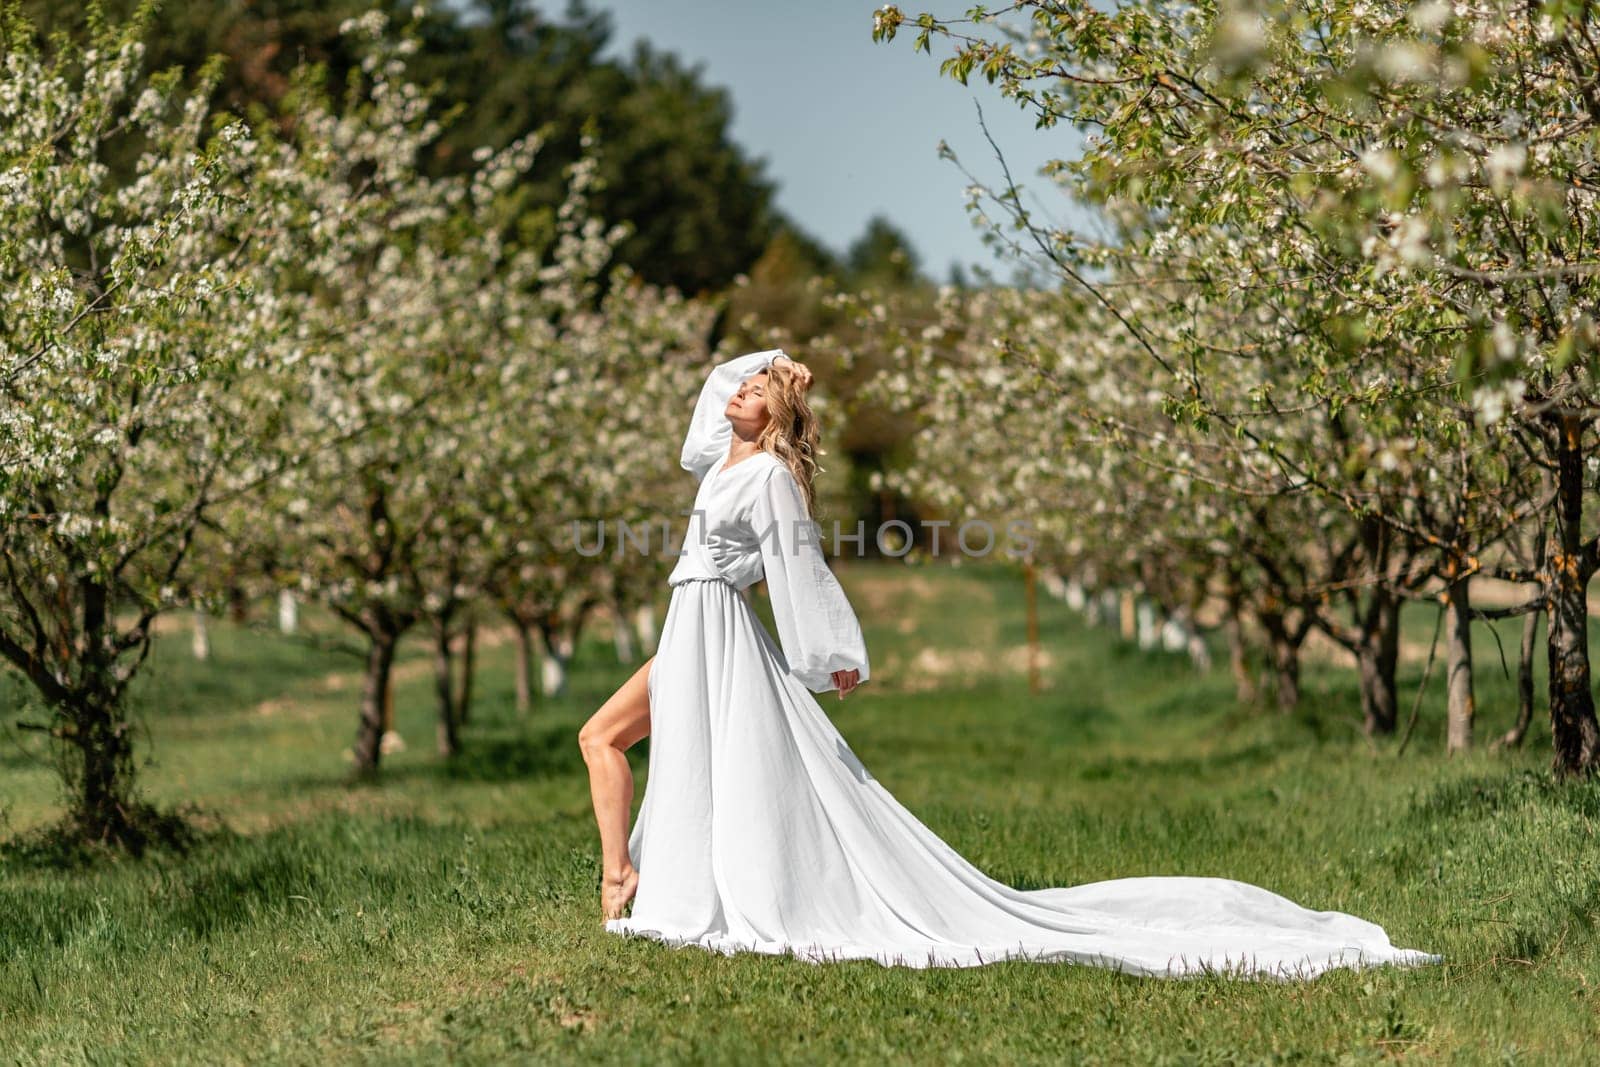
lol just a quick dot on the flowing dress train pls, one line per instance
(761, 831)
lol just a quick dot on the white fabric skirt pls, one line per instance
(760, 831)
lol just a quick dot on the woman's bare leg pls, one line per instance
(622, 720)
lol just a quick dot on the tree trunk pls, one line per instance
(1377, 658)
(1286, 670)
(1127, 614)
(1076, 597)
(1173, 633)
(1462, 707)
(201, 642)
(1530, 640)
(375, 699)
(1285, 661)
(524, 675)
(1244, 686)
(557, 652)
(392, 741)
(449, 738)
(1180, 633)
(238, 605)
(288, 611)
(1053, 583)
(105, 771)
(621, 635)
(1145, 616)
(469, 669)
(644, 621)
(1572, 720)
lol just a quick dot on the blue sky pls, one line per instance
(850, 128)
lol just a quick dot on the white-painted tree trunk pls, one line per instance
(1110, 606)
(1053, 584)
(1461, 708)
(202, 634)
(288, 611)
(644, 621)
(1077, 598)
(553, 666)
(1174, 634)
(622, 636)
(1180, 634)
(1146, 624)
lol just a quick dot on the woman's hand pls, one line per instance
(801, 372)
(846, 681)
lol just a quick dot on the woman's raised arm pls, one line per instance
(710, 432)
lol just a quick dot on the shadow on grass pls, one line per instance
(1486, 794)
(16, 758)
(548, 752)
(551, 752)
(226, 881)
(1150, 768)
(1211, 696)
(65, 845)
(1084, 720)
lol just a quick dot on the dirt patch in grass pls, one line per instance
(933, 668)
(884, 593)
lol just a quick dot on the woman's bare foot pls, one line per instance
(616, 892)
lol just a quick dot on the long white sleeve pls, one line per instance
(710, 432)
(817, 628)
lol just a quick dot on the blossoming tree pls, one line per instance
(135, 380)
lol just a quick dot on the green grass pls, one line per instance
(452, 912)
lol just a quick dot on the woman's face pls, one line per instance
(748, 408)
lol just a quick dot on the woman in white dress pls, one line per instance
(760, 830)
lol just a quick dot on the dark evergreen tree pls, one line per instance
(883, 256)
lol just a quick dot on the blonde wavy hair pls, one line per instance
(792, 432)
